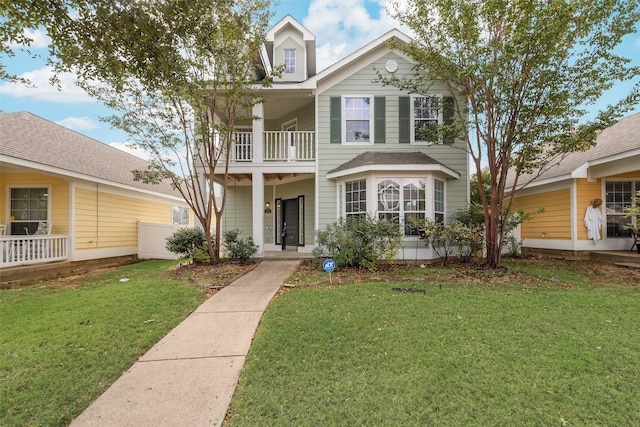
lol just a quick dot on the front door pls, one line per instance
(290, 215)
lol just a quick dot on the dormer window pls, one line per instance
(289, 61)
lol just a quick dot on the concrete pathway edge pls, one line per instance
(188, 378)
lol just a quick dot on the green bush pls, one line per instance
(237, 248)
(185, 241)
(359, 242)
(454, 239)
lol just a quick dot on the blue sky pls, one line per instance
(340, 27)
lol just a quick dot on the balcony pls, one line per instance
(278, 146)
(29, 250)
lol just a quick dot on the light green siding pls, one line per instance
(329, 155)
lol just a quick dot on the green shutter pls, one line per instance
(379, 111)
(448, 110)
(335, 119)
(404, 113)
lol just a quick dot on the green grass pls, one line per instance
(517, 349)
(63, 343)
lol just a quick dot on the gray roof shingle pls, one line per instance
(620, 138)
(28, 137)
(369, 158)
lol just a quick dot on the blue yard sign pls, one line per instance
(329, 265)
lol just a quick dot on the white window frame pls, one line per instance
(12, 218)
(413, 118)
(609, 208)
(343, 189)
(372, 180)
(181, 210)
(289, 68)
(344, 120)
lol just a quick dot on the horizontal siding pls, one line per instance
(555, 222)
(59, 196)
(238, 210)
(586, 192)
(333, 155)
(105, 220)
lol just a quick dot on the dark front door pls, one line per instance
(290, 218)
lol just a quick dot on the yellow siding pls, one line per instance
(105, 220)
(59, 195)
(586, 192)
(555, 222)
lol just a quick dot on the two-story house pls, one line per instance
(336, 144)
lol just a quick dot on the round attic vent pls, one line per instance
(391, 66)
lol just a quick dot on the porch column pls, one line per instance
(257, 196)
(257, 133)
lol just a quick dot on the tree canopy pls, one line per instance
(179, 73)
(526, 74)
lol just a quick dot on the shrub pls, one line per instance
(455, 239)
(359, 242)
(185, 241)
(237, 248)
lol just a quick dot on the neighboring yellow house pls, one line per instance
(609, 171)
(81, 189)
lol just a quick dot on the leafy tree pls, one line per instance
(528, 73)
(181, 74)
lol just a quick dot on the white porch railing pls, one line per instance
(289, 146)
(279, 146)
(27, 250)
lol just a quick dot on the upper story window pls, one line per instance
(29, 206)
(357, 119)
(426, 117)
(289, 61)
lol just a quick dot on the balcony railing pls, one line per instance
(279, 146)
(27, 250)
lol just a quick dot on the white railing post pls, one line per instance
(289, 146)
(28, 250)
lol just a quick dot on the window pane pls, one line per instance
(357, 114)
(425, 118)
(438, 197)
(355, 198)
(388, 195)
(289, 61)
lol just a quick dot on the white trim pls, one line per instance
(90, 254)
(40, 168)
(9, 187)
(343, 119)
(290, 123)
(408, 169)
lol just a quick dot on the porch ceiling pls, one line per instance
(269, 178)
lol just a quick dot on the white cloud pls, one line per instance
(39, 38)
(343, 26)
(78, 123)
(43, 90)
(128, 148)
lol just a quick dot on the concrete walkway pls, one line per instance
(188, 377)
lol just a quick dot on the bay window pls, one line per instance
(355, 196)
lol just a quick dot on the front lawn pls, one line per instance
(64, 342)
(540, 344)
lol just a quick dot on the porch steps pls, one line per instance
(621, 258)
